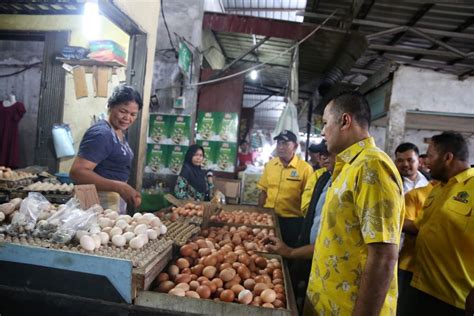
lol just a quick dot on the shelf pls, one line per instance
(88, 62)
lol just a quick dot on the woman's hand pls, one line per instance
(130, 195)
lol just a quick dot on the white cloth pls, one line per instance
(419, 182)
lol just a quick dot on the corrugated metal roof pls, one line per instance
(38, 7)
(271, 9)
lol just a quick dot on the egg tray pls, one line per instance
(15, 184)
(180, 231)
(210, 307)
(139, 257)
(250, 209)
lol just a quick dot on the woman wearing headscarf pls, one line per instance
(193, 182)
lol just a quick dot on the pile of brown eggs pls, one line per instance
(214, 267)
(189, 210)
(243, 217)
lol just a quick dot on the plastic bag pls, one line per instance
(63, 141)
(46, 228)
(288, 120)
(77, 220)
(25, 219)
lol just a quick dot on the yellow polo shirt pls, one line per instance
(284, 185)
(309, 188)
(364, 205)
(414, 201)
(444, 253)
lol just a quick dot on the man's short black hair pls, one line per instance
(406, 147)
(452, 142)
(423, 156)
(243, 141)
(355, 103)
(123, 94)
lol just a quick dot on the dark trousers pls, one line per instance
(290, 229)
(415, 303)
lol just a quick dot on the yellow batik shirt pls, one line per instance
(284, 185)
(308, 190)
(444, 251)
(363, 205)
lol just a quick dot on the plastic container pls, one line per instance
(63, 177)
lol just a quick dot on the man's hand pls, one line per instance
(275, 245)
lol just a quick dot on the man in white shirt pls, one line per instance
(407, 162)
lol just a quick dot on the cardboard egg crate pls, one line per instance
(170, 302)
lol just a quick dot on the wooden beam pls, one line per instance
(415, 51)
(414, 19)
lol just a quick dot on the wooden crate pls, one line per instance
(210, 307)
(142, 278)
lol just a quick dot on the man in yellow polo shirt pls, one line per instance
(282, 183)
(444, 251)
(355, 255)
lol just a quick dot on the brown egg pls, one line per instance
(202, 279)
(202, 243)
(184, 286)
(277, 303)
(204, 252)
(192, 294)
(257, 300)
(182, 263)
(165, 286)
(197, 269)
(186, 250)
(210, 260)
(243, 272)
(268, 296)
(268, 305)
(231, 257)
(193, 245)
(227, 296)
(249, 284)
(224, 266)
(163, 276)
(281, 297)
(193, 285)
(279, 288)
(219, 291)
(211, 285)
(173, 270)
(209, 272)
(227, 274)
(218, 282)
(245, 297)
(260, 279)
(183, 278)
(244, 258)
(261, 262)
(236, 265)
(277, 274)
(277, 281)
(237, 288)
(204, 291)
(259, 288)
(193, 277)
(177, 291)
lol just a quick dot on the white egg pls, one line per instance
(121, 223)
(97, 240)
(128, 236)
(118, 240)
(80, 233)
(107, 229)
(157, 230)
(152, 234)
(126, 218)
(87, 243)
(155, 222)
(143, 220)
(140, 229)
(113, 215)
(104, 238)
(115, 231)
(130, 228)
(95, 229)
(163, 229)
(136, 243)
(105, 222)
(107, 211)
(136, 216)
(144, 237)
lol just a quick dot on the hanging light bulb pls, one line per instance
(254, 74)
(91, 20)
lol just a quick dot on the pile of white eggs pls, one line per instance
(121, 230)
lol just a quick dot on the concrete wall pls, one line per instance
(425, 90)
(14, 55)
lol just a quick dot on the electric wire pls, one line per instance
(21, 70)
(166, 26)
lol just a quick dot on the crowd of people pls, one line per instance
(364, 235)
(368, 235)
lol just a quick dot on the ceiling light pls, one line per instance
(253, 75)
(91, 20)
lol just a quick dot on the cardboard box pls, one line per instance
(230, 188)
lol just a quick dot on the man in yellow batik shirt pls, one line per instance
(355, 255)
(444, 252)
(281, 185)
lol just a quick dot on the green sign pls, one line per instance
(219, 156)
(184, 58)
(169, 129)
(165, 159)
(217, 126)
